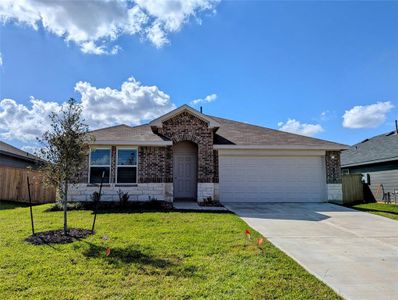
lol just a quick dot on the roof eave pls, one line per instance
(285, 147)
(369, 162)
(132, 142)
(26, 158)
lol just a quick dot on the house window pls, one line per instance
(126, 165)
(100, 161)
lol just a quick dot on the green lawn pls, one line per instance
(154, 255)
(385, 210)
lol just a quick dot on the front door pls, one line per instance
(185, 170)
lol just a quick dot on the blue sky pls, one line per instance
(266, 62)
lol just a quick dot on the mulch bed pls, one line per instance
(58, 236)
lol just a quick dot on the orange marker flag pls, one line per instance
(247, 232)
(108, 251)
(260, 242)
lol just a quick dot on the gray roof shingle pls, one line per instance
(141, 133)
(11, 150)
(383, 147)
(238, 133)
(229, 133)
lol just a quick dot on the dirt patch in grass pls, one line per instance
(58, 236)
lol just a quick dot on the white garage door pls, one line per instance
(272, 179)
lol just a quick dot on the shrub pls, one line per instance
(123, 198)
(70, 206)
(210, 202)
(95, 197)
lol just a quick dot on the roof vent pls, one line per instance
(396, 126)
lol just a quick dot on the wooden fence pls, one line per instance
(352, 188)
(14, 186)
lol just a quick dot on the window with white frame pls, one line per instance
(126, 165)
(100, 162)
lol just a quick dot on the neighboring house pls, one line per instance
(185, 154)
(14, 157)
(377, 159)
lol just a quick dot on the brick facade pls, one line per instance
(83, 178)
(187, 127)
(113, 165)
(155, 164)
(333, 168)
(215, 156)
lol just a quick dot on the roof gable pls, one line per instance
(184, 108)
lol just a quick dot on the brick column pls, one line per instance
(333, 176)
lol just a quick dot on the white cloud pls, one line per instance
(170, 16)
(325, 115)
(207, 99)
(367, 116)
(91, 48)
(1, 59)
(22, 123)
(157, 35)
(92, 25)
(132, 104)
(294, 126)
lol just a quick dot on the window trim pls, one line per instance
(126, 166)
(110, 163)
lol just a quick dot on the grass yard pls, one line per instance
(153, 255)
(385, 210)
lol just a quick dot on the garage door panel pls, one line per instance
(272, 179)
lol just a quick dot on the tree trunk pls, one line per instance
(66, 208)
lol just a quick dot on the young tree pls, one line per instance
(65, 148)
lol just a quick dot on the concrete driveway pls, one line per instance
(353, 252)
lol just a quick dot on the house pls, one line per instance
(185, 154)
(377, 159)
(16, 158)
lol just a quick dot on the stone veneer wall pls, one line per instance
(138, 192)
(335, 192)
(333, 176)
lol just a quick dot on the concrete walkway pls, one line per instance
(191, 205)
(353, 252)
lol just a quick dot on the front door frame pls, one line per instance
(187, 148)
